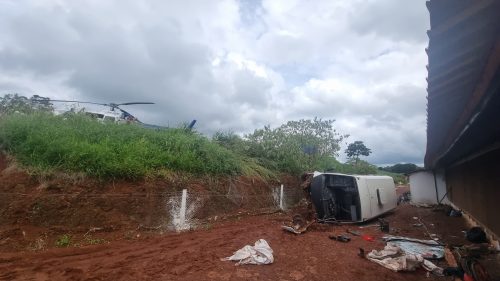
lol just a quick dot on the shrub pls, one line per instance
(63, 241)
(293, 147)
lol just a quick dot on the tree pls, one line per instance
(12, 103)
(356, 149)
(296, 146)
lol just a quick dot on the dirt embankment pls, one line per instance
(34, 209)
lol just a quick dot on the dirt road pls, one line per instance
(196, 255)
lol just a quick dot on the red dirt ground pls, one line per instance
(195, 255)
(34, 212)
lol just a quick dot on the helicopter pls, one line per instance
(115, 113)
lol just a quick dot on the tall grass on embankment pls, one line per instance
(77, 143)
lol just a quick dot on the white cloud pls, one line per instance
(233, 65)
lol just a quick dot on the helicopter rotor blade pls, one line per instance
(130, 103)
(112, 104)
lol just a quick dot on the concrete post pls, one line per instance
(281, 198)
(182, 215)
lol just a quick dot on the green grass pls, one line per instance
(79, 144)
(63, 241)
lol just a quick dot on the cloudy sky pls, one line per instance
(231, 64)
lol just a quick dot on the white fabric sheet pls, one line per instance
(259, 253)
(393, 258)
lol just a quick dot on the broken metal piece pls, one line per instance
(299, 225)
(290, 229)
(361, 253)
(340, 238)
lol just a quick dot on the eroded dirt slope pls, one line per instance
(35, 211)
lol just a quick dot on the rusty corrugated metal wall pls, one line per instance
(474, 186)
(463, 131)
(464, 55)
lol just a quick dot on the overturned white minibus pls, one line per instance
(351, 198)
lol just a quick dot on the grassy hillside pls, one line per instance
(79, 144)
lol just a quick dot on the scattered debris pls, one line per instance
(353, 232)
(475, 250)
(467, 277)
(298, 225)
(291, 229)
(384, 225)
(395, 230)
(428, 249)
(405, 197)
(417, 225)
(474, 269)
(368, 238)
(476, 235)
(340, 238)
(259, 253)
(370, 225)
(450, 259)
(448, 210)
(454, 271)
(93, 229)
(396, 259)
(468, 262)
(361, 253)
(431, 267)
(434, 236)
(421, 205)
(296, 230)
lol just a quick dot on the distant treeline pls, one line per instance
(401, 168)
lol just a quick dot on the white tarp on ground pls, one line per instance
(393, 258)
(259, 253)
(429, 249)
